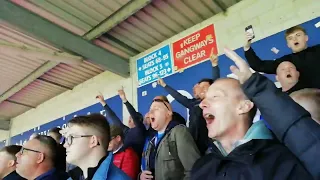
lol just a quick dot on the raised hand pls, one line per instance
(248, 37)
(161, 82)
(146, 175)
(100, 98)
(213, 58)
(242, 69)
(122, 95)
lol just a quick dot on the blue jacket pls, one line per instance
(108, 171)
(291, 123)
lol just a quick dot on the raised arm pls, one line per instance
(111, 115)
(215, 68)
(265, 66)
(291, 123)
(136, 116)
(176, 95)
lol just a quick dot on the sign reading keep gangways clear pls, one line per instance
(188, 51)
(194, 48)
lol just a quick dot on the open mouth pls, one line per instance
(209, 118)
(296, 43)
(289, 76)
(152, 119)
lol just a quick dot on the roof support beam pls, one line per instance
(61, 38)
(27, 80)
(220, 5)
(19, 103)
(54, 83)
(117, 17)
(44, 54)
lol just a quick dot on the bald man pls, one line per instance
(36, 160)
(288, 76)
(243, 149)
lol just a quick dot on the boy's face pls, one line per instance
(297, 41)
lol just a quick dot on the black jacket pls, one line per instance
(306, 61)
(134, 137)
(13, 176)
(54, 175)
(290, 122)
(197, 124)
(254, 160)
(61, 163)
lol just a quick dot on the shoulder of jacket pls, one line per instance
(179, 129)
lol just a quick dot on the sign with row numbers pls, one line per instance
(154, 65)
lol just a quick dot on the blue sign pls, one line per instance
(154, 65)
(115, 103)
(184, 82)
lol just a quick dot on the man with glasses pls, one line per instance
(171, 152)
(125, 158)
(8, 163)
(36, 160)
(87, 141)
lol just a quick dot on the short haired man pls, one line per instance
(36, 160)
(125, 158)
(60, 163)
(243, 150)
(33, 135)
(288, 76)
(305, 58)
(8, 163)
(197, 125)
(87, 141)
(309, 99)
(290, 122)
(55, 134)
(171, 152)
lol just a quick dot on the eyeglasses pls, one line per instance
(23, 149)
(160, 100)
(69, 139)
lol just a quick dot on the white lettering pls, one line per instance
(150, 57)
(147, 65)
(194, 57)
(151, 70)
(193, 48)
(191, 39)
(145, 79)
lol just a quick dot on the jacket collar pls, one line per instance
(48, 173)
(77, 173)
(102, 171)
(257, 130)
